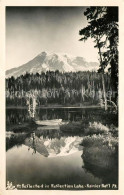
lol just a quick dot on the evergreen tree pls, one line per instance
(103, 28)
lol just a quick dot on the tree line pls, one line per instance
(57, 88)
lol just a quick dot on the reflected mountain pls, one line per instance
(54, 147)
(49, 143)
(49, 155)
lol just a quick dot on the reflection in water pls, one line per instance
(15, 140)
(108, 175)
(37, 169)
(16, 116)
(46, 156)
(20, 116)
(32, 142)
(58, 159)
(54, 147)
(55, 161)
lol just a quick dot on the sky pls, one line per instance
(31, 30)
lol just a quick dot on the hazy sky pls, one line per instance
(31, 30)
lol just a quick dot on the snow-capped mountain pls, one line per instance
(53, 61)
(55, 147)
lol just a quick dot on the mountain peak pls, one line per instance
(53, 61)
(43, 53)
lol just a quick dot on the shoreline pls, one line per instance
(54, 107)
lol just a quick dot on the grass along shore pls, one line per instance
(100, 144)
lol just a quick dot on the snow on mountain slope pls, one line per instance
(53, 61)
(56, 147)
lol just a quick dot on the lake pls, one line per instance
(47, 158)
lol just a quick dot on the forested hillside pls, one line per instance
(56, 87)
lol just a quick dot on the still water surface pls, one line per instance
(49, 156)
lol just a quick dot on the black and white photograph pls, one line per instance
(61, 94)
